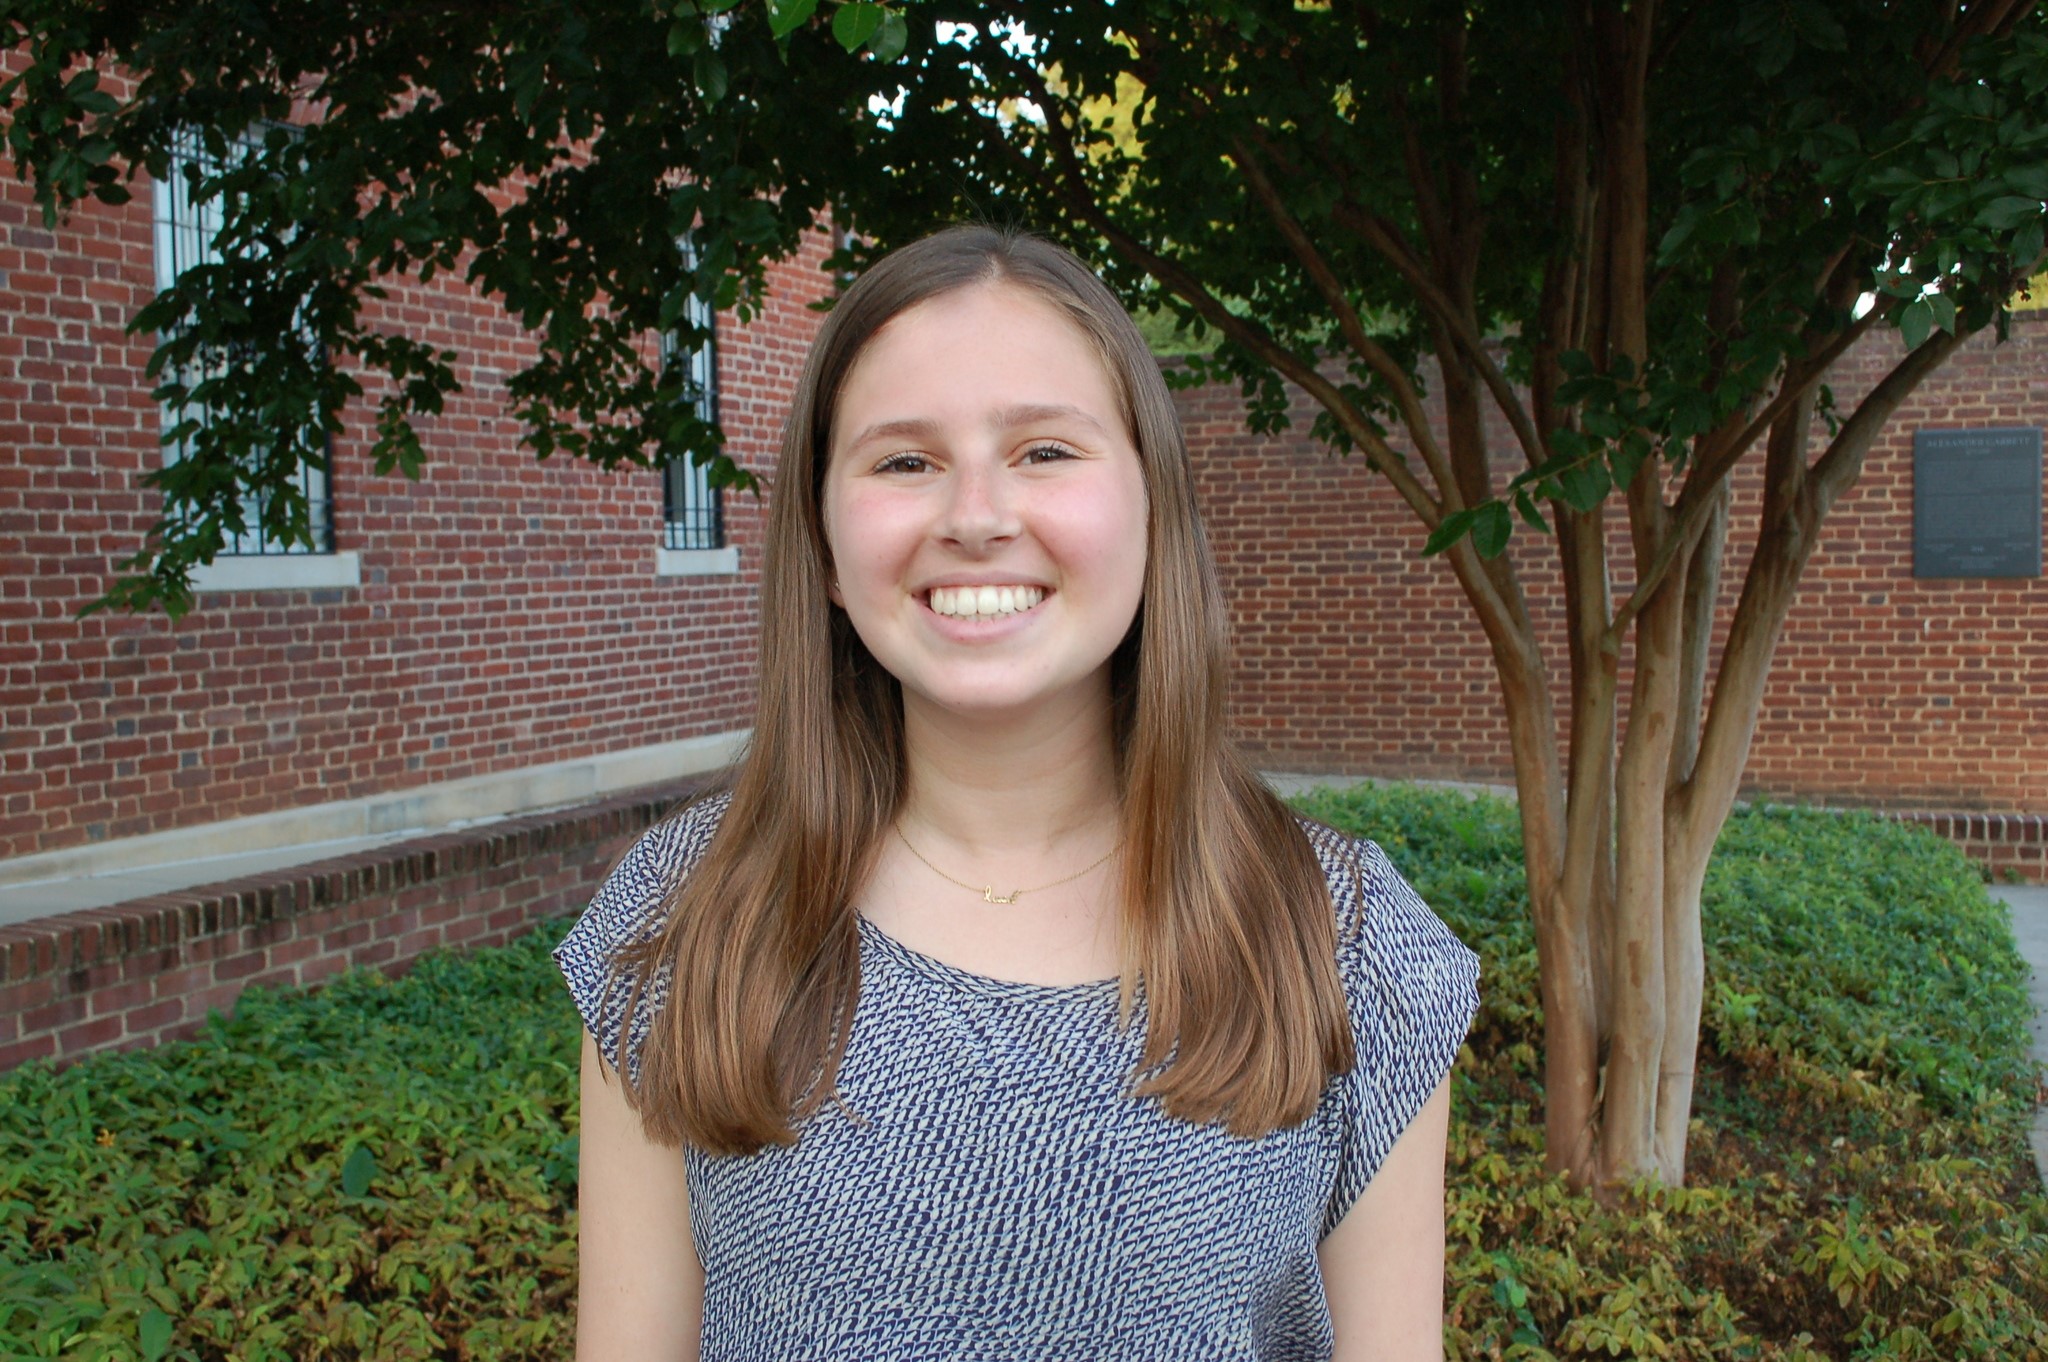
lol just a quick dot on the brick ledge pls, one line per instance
(77, 941)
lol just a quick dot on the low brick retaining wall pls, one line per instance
(150, 970)
(2017, 842)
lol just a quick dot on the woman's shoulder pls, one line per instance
(625, 906)
(1386, 934)
(1355, 868)
(668, 849)
(1412, 990)
(627, 909)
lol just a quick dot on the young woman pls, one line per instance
(997, 1010)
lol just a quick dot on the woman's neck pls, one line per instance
(1043, 784)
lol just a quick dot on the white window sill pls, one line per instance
(278, 572)
(696, 562)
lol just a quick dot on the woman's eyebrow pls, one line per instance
(1004, 418)
(903, 427)
(1030, 413)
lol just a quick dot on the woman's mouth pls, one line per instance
(983, 602)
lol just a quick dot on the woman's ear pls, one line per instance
(832, 591)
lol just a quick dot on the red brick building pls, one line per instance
(503, 638)
(515, 644)
(497, 614)
(1890, 691)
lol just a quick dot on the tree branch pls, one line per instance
(1983, 19)
(1700, 483)
(1384, 238)
(1836, 469)
(1696, 499)
(1375, 355)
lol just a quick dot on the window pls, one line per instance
(186, 235)
(693, 512)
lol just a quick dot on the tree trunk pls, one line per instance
(1636, 1047)
(1616, 838)
(1686, 852)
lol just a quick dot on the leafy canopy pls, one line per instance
(1335, 190)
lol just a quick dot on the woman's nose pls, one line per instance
(982, 507)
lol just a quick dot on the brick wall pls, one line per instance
(1356, 654)
(509, 612)
(2006, 843)
(150, 970)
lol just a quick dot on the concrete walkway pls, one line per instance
(2028, 904)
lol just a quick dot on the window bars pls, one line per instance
(693, 512)
(187, 235)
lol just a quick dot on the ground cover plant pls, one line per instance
(385, 1169)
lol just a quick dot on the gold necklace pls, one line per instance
(988, 891)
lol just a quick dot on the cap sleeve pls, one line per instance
(1412, 989)
(628, 907)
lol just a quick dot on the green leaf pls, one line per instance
(156, 1334)
(1491, 527)
(357, 1171)
(891, 38)
(1682, 228)
(2008, 211)
(1626, 456)
(1944, 309)
(1569, 446)
(707, 68)
(1819, 28)
(2026, 244)
(1916, 319)
(855, 23)
(1584, 485)
(1525, 506)
(787, 16)
(1448, 531)
(1777, 53)
(2030, 181)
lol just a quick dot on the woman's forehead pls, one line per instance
(997, 346)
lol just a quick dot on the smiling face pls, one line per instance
(985, 506)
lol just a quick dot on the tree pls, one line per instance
(1641, 233)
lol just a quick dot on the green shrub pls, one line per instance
(386, 1169)
(1859, 1183)
(379, 1169)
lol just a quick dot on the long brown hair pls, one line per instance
(1226, 920)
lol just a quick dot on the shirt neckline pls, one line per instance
(954, 976)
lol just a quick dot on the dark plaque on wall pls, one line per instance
(1977, 502)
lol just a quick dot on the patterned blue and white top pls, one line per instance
(994, 1194)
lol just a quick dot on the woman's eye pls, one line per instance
(1047, 454)
(903, 463)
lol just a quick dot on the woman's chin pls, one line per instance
(1008, 706)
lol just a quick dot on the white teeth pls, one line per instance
(969, 602)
